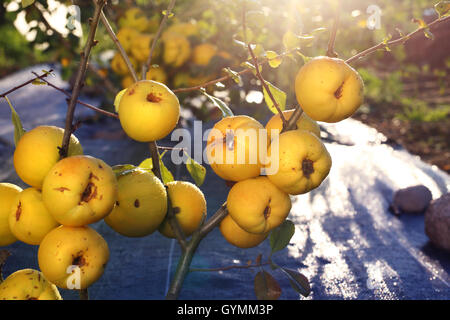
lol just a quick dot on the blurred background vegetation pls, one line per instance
(407, 95)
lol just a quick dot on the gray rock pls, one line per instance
(413, 199)
(437, 222)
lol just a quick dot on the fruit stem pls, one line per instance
(116, 41)
(292, 122)
(167, 13)
(80, 77)
(265, 86)
(184, 263)
(330, 51)
(84, 294)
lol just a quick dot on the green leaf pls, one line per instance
(305, 58)
(226, 111)
(117, 99)
(19, 131)
(146, 164)
(274, 59)
(26, 3)
(196, 170)
(123, 169)
(266, 287)
(168, 14)
(38, 82)
(442, 8)
(280, 237)
(386, 40)
(279, 96)
(166, 175)
(234, 75)
(290, 40)
(250, 66)
(298, 281)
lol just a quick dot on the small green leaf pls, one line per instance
(117, 99)
(428, 34)
(26, 3)
(280, 237)
(250, 66)
(279, 96)
(38, 82)
(146, 164)
(234, 75)
(19, 131)
(168, 14)
(290, 40)
(266, 287)
(298, 281)
(274, 59)
(166, 175)
(226, 111)
(305, 58)
(196, 170)
(442, 8)
(123, 169)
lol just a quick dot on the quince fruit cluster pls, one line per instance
(295, 161)
(180, 46)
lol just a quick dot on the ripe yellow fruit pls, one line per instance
(119, 66)
(303, 160)
(156, 74)
(186, 29)
(134, 18)
(257, 205)
(237, 236)
(28, 284)
(233, 148)
(29, 219)
(189, 207)
(328, 89)
(203, 53)
(140, 47)
(37, 151)
(141, 204)
(73, 257)
(8, 193)
(79, 190)
(177, 49)
(148, 111)
(303, 123)
(126, 36)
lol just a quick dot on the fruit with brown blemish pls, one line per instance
(28, 284)
(189, 207)
(257, 205)
(148, 111)
(67, 252)
(79, 190)
(237, 236)
(141, 204)
(8, 193)
(303, 123)
(29, 218)
(233, 148)
(303, 162)
(328, 89)
(37, 151)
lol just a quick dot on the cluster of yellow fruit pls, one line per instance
(328, 90)
(69, 194)
(136, 34)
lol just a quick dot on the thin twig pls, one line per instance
(80, 77)
(401, 40)
(292, 122)
(116, 41)
(168, 12)
(330, 50)
(265, 86)
(38, 77)
(87, 105)
(224, 78)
